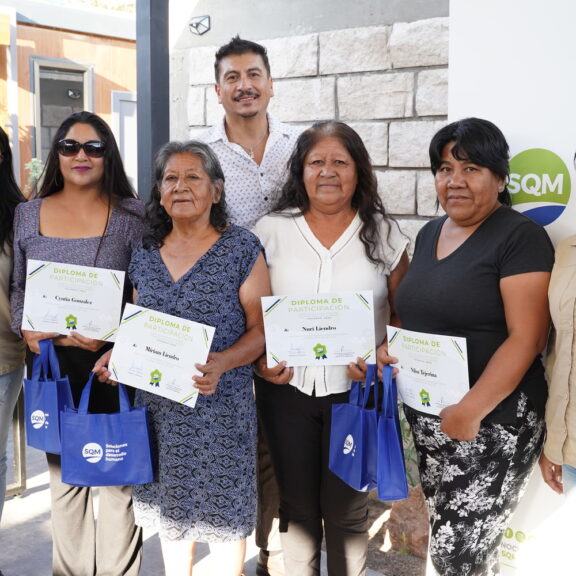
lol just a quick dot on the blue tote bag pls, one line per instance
(354, 436)
(391, 475)
(45, 395)
(105, 449)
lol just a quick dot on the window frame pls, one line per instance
(37, 63)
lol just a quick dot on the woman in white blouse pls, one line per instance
(329, 233)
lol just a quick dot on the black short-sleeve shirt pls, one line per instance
(459, 295)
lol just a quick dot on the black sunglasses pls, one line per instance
(93, 148)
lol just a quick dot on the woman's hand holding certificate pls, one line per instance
(279, 374)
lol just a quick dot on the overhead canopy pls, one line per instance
(82, 19)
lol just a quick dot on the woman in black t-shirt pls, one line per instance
(481, 272)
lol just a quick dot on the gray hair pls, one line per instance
(159, 223)
(207, 156)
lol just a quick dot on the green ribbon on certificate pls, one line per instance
(320, 351)
(424, 397)
(155, 378)
(71, 322)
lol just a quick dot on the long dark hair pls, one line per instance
(159, 222)
(10, 194)
(477, 141)
(115, 183)
(365, 200)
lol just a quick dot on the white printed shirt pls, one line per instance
(251, 189)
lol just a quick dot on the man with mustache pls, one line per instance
(252, 146)
(253, 149)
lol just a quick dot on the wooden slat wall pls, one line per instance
(114, 63)
(4, 46)
(3, 86)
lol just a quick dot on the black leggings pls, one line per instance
(313, 501)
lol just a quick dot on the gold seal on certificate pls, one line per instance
(319, 329)
(432, 369)
(157, 352)
(66, 298)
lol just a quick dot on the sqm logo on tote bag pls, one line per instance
(92, 452)
(349, 445)
(39, 420)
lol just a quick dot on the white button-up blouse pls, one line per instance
(299, 264)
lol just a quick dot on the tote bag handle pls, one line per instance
(45, 365)
(85, 398)
(359, 395)
(389, 396)
(391, 476)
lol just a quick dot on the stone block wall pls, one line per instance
(390, 83)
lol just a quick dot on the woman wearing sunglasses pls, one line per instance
(85, 213)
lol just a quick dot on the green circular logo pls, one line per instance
(539, 184)
(508, 533)
(520, 536)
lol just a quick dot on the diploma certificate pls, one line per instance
(319, 329)
(65, 298)
(156, 352)
(432, 369)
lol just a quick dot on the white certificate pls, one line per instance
(319, 329)
(156, 352)
(65, 298)
(432, 369)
